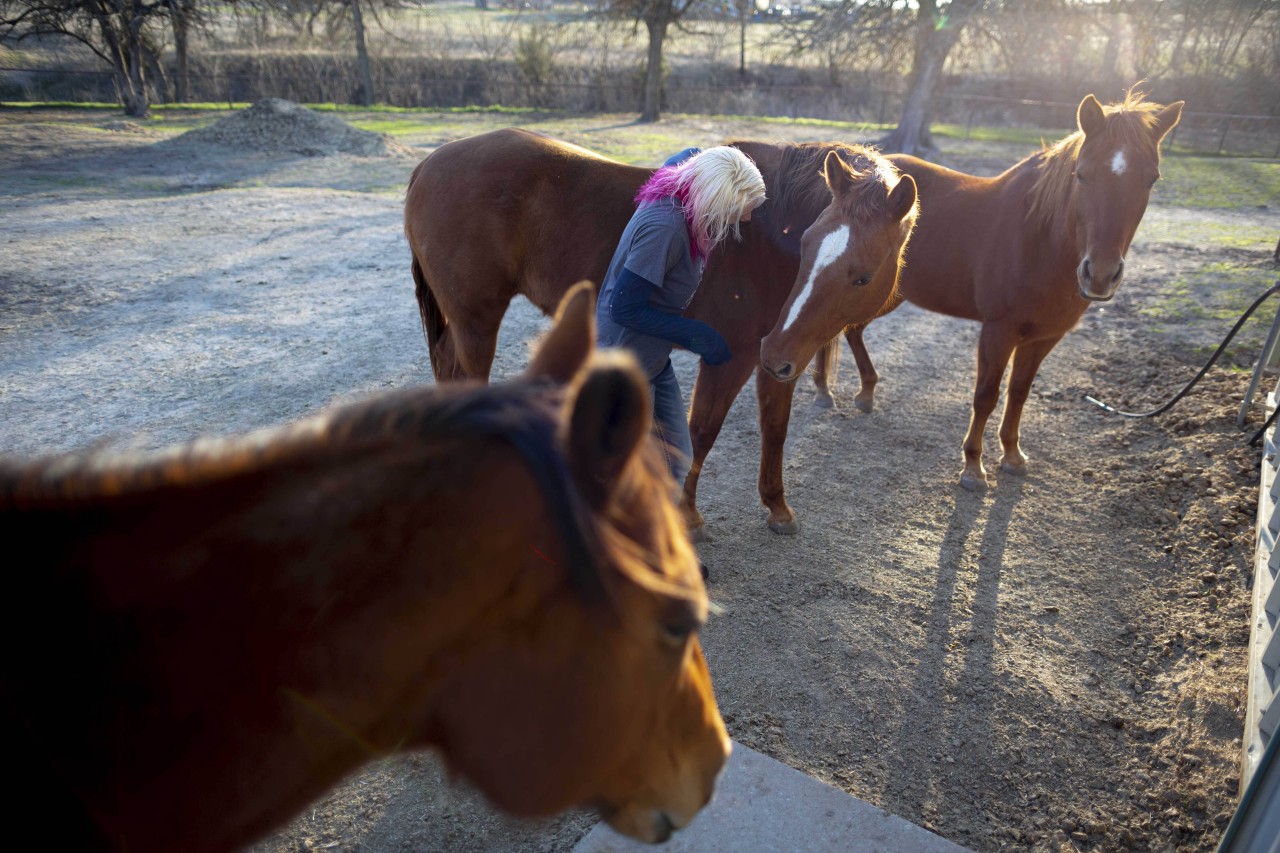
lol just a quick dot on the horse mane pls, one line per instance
(525, 415)
(1129, 123)
(798, 193)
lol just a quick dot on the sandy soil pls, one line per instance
(1056, 665)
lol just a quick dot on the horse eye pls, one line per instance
(678, 622)
(1080, 178)
(859, 282)
(676, 634)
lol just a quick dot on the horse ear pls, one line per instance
(1090, 116)
(611, 416)
(838, 176)
(903, 197)
(568, 345)
(1167, 119)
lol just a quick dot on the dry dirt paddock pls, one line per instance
(1055, 665)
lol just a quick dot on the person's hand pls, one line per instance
(713, 348)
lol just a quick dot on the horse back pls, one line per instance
(513, 211)
(974, 254)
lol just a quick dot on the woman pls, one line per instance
(687, 207)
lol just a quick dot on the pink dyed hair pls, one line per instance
(714, 188)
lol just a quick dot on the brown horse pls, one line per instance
(1025, 253)
(513, 212)
(200, 642)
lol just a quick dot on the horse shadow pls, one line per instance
(948, 714)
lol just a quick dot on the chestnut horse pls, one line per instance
(1025, 253)
(200, 642)
(514, 212)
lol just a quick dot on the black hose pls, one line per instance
(1275, 288)
(1271, 418)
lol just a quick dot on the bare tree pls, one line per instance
(122, 33)
(658, 16)
(938, 26)
(853, 34)
(362, 54)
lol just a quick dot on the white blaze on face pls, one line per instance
(1118, 164)
(833, 246)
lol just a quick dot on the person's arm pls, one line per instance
(631, 308)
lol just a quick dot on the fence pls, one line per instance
(422, 83)
(1262, 709)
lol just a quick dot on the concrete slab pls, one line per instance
(764, 806)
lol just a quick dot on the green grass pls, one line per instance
(1212, 296)
(1218, 182)
(1156, 228)
(1027, 137)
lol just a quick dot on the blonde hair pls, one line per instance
(723, 185)
(716, 187)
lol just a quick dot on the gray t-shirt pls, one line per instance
(654, 246)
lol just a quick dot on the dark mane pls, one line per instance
(798, 193)
(522, 414)
(1129, 123)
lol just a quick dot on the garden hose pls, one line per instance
(1275, 288)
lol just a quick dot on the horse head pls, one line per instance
(849, 260)
(1117, 162)
(604, 698)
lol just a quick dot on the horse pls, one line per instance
(1025, 253)
(515, 212)
(201, 641)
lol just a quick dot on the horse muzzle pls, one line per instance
(784, 372)
(1098, 283)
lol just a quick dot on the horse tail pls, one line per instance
(433, 319)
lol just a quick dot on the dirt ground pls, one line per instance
(1055, 665)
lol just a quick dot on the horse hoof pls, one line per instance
(785, 528)
(698, 534)
(864, 405)
(972, 483)
(1018, 469)
(824, 401)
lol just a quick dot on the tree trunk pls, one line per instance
(912, 135)
(656, 19)
(126, 58)
(936, 34)
(179, 11)
(743, 6)
(362, 55)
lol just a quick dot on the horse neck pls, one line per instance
(1050, 221)
(286, 644)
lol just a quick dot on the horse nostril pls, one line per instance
(783, 371)
(1087, 273)
(1119, 272)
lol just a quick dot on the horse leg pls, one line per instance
(1026, 362)
(713, 394)
(473, 350)
(826, 364)
(471, 336)
(775, 414)
(995, 346)
(865, 400)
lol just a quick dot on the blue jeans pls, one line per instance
(671, 424)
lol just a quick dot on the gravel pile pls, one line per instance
(274, 124)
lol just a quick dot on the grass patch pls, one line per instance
(1204, 233)
(1218, 182)
(1220, 290)
(1207, 301)
(1030, 137)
